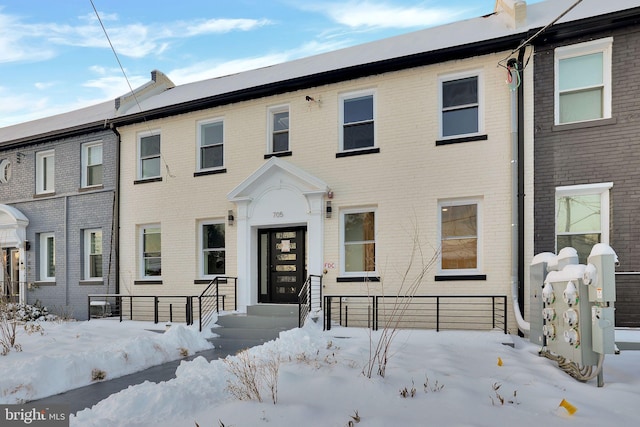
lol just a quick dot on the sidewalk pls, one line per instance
(85, 397)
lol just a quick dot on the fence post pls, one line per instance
(437, 314)
(88, 307)
(504, 300)
(327, 313)
(155, 309)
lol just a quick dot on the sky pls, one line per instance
(450, 378)
(55, 56)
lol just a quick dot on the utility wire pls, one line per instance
(166, 165)
(526, 42)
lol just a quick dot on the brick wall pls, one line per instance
(606, 153)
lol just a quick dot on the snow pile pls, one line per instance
(59, 356)
(449, 378)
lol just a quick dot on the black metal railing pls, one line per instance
(156, 308)
(439, 312)
(309, 297)
(221, 289)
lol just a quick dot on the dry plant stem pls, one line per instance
(245, 369)
(380, 353)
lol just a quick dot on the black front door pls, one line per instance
(282, 264)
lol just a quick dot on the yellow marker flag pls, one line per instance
(499, 361)
(568, 406)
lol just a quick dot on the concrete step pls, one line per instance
(281, 310)
(247, 334)
(245, 321)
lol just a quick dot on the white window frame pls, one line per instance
(199, 145)
(343, 214)
(85, 163)
(88, 253)
(140, 136)
(271, 112)
(351, 95)
(480, 102)
(603, 190)
(46, 257)
(479, 237)
(45, 172)
(141, 253)
(201, 247)
(605, 46)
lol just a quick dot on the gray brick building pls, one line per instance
(587, 145)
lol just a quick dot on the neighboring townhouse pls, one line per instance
(333, 165)
(587, 142)
(58, 205)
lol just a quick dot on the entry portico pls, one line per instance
(277, 195)
(13, 231)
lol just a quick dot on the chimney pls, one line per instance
(513, 11)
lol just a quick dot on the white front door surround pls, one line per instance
(278, 194)
(13, 231)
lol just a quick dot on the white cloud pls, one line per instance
(366, 14)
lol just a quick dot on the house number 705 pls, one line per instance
(278, 214)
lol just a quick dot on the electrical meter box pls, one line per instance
(573, 304)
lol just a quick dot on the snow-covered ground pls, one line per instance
(320, 380)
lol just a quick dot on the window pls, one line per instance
(91, 164)
(151, 252)
(92, 254)
(278, 129)
(583, 81)
(45, 172)
(211, 146)
(149, 155)
(47, 257)
(213, 252)
(459, 236)
(460, 105)
(357, 119)
(359, 242)
(5, 171)
(582, 217)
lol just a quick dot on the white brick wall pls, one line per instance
(404, 181)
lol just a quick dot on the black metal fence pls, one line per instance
(220, 294)
(309, 298)
(439, 312)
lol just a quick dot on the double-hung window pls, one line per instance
(278, 130)
(210, 144)
(151, 262)
(357, 116)
(460, 105)
(583, 81)
(92, 254)
(149, 155)
(213, 249)
(460, 236)
(47, 257)
(358, 242)
(91, 164)
(45, 172)
(582, 217)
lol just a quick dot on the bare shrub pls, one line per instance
(410, 281)
(246, 381)
(8, 330)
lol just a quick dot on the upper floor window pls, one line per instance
(460, 105)
(211, 144)
(92, 254)
(358, 242)
(151, 253)
(47, 257)
(357, 115)
(91, 164)
(583, 81)
(213, 249)
(149, 156)
(460, 236)
(45, 172)
(582, 217)
(278, 129)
